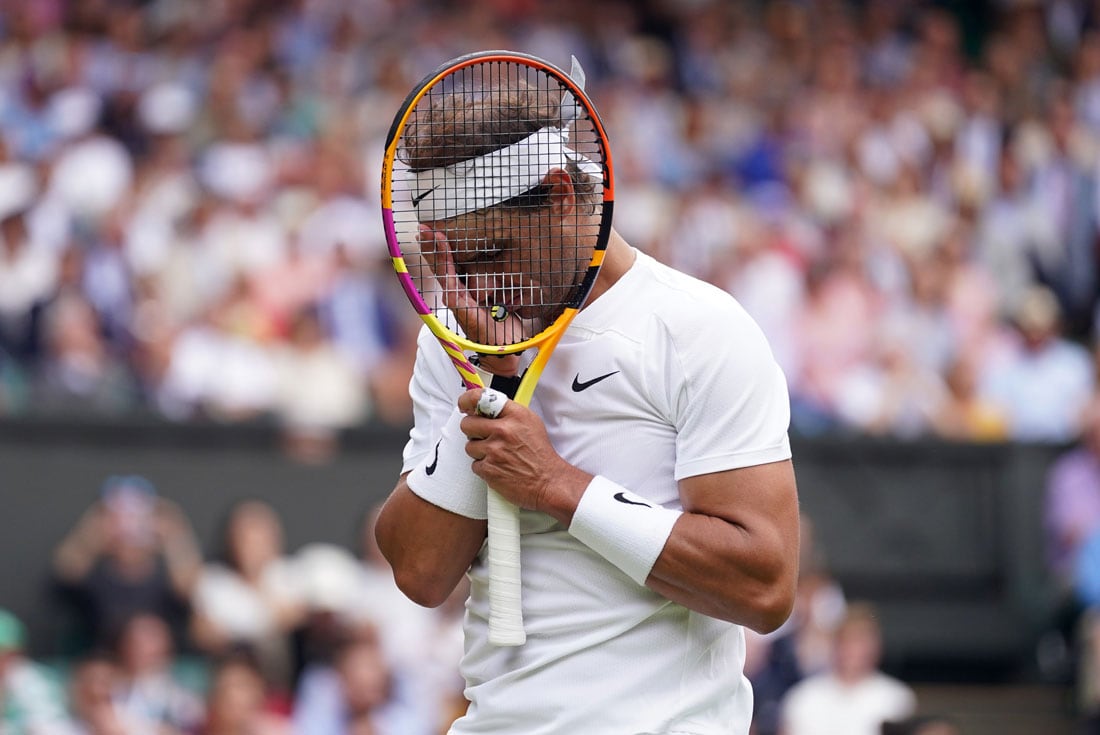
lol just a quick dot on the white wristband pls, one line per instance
(624, 528)
(445, 479)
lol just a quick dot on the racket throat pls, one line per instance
(506, 384)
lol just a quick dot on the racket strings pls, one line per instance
(489, 134)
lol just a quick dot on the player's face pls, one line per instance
(526, 262)
(519, 263)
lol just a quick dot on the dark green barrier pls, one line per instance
(945, 539)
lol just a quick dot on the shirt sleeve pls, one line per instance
(729, 398)
(434, 388)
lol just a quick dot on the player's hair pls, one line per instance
(458, 127)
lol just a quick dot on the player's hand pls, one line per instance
(514, 456)
(472, 310)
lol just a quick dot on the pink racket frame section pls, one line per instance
(465, 367)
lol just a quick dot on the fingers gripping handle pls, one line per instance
(505, 604)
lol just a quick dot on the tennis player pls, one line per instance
(653, 469)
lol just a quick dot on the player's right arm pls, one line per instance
(428, 547)
(431, 534)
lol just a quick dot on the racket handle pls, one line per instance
(505, 609)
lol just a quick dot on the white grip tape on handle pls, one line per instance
(491, 403)
(505, 604)
(505, 601)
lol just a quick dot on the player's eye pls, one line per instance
(488, 256)
(487, 253)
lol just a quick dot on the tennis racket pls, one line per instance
(497, 196)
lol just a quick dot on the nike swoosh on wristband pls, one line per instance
(578, 386)
(435, 460)
(621, 497)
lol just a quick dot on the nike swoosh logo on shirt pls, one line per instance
(435, 459)
(578, 386)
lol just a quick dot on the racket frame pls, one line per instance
(505, 605)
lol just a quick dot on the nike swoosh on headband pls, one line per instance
(417, 199)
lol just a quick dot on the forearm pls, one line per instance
(726, 571)
(429, 548)
(734, 553)
(736, 562)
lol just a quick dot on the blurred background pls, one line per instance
(204, 355)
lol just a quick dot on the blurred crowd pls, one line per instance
(162, 638)
(903, 194)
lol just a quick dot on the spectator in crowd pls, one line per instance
(131, 552)
(147, 683)
(364, 318)
(1043, 383)
(772, 666)
(109, 283)
(1072, 504)
(965, 414)
(803, 645)
(31, 702)
(422, 645)
(892, 393)
(29, 270)
(853, 696)
(327, 576)
(838, 294)
(358, 693)
(92, 172)
(1003, 242)
(354, 604)
(77, 368)
(446, 644)
(1063, 177)
(318, 390)
(221, 364)
(238, 700)
(92, 702)
(251, 598)
(820, 606)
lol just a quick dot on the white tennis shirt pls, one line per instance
(662, 377)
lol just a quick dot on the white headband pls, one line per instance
(466, 186)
